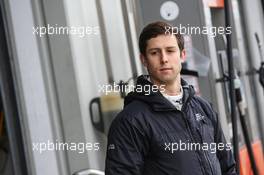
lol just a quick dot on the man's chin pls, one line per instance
(166, 79)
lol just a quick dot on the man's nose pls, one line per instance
(164, 58)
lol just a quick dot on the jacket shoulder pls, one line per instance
(134, 114)
(135, 109)
(206, 105)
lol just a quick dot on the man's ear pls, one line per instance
(143, 60)
(183, 55)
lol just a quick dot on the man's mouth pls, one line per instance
(165, 69)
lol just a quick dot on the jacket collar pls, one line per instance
(155, 99)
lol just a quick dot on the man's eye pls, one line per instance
(153, 53)
(171, 51)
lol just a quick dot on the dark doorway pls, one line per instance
(12, 155)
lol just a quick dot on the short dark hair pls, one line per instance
(154, 29)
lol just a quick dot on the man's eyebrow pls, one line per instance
(151, 49)
(171, 47)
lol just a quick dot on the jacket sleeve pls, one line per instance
(126, 148)
(225, 156)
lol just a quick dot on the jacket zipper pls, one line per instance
(190, 133)
(205, 154)
(191, 136)
(192, 139)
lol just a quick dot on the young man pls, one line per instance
(170, 131)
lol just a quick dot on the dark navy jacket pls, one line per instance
(144, 138)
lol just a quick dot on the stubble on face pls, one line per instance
(162, 60)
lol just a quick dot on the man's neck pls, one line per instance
(171, 88)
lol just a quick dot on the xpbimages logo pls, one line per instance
(146, 89)
(183, 146)
(65, 146)
(80, 31)
(196, 30)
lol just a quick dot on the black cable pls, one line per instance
(241, 110)
(261, 74)
(262, 4)
(231, 84)
(261, 69)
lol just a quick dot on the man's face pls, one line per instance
(163, 59)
